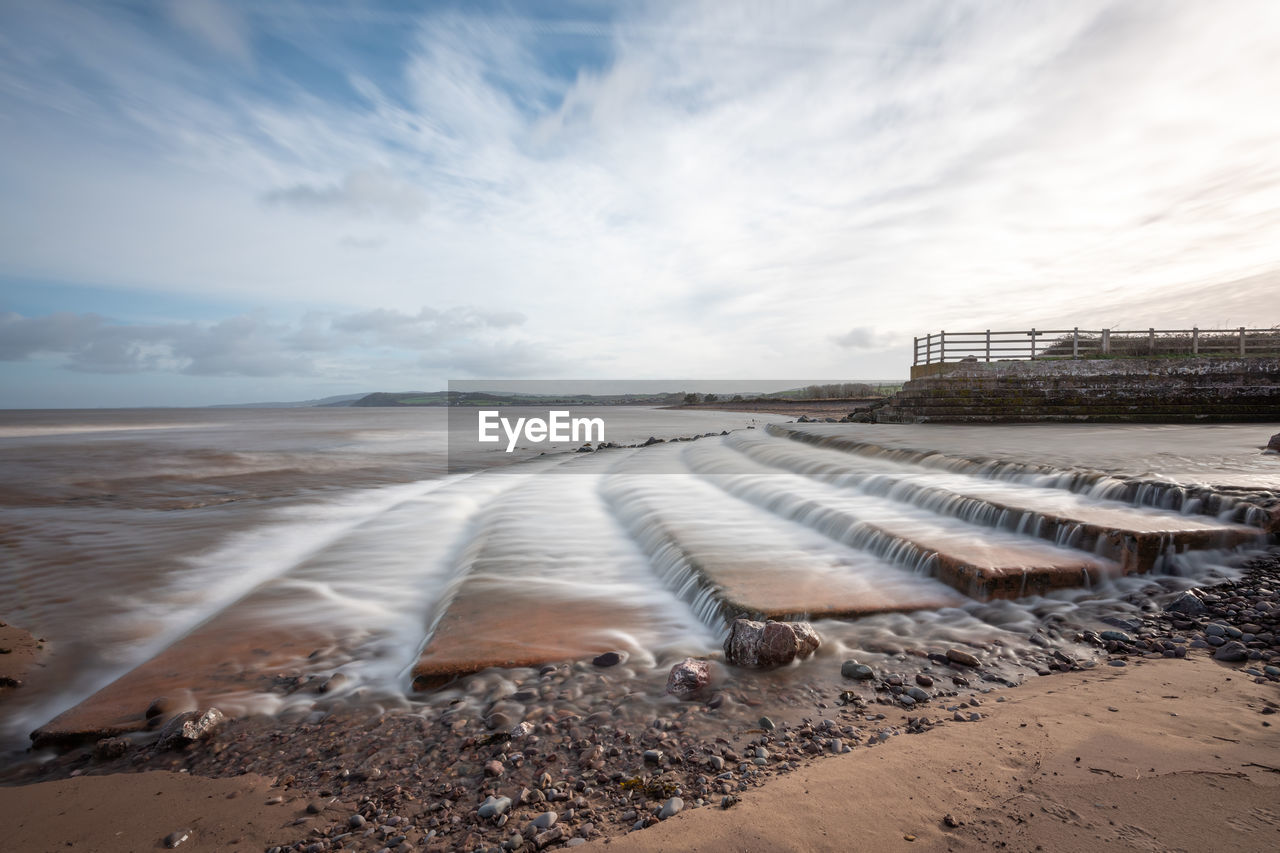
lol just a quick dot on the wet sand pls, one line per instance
(19, 653)
(1163, 755)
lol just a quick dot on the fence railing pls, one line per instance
(1024, 344)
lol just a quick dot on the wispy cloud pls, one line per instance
(744, 189)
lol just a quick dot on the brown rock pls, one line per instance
(767, 644)
(688, 677)
(190, 727)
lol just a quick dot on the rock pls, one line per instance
(653, 756)
(923, 680)
(688, 677)
(1215, 630)
(1124, 623)
(355, 821)
(1273, 446)
(1116, 636)
(1188, 604)
(858, 671)
(493, 768)
(767, 724)
(961, 657)
(110, 747)
(546, 820)
(917, 694)
(173, 839)
(670, 808)
(1232, 652)
(768, 644)
(552, 835)
(315, 807)
(493, 807)
(187, 728)
(607, 659)
(521, 729)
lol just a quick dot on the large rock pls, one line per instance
(766, 644)
(189, 727)
(688, 677)
(1232, 652)
(1274, 444)
(1188, 604)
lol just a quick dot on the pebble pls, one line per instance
(607, 659)
(923, 680)
(855, 670)
(653, 756)
(917, 694)
(671, 808)
(1116, 636)
(173, 839)
(493, 768)
(1232, 652)
(546, 820)
(961, 657)
(767, 724)
(494, 806)
(355, 821)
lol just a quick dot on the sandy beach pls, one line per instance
(1159, 755)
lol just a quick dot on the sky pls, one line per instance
(212, 201)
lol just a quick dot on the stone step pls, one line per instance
(982, 563)
(547, 577)
(743, 560)
(317, 618)
(1133, 536)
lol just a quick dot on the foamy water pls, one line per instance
(341, 528)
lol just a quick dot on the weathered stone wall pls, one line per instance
(1133, 390)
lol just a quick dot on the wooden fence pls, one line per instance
(1093, 343)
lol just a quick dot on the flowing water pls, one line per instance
(218, 554)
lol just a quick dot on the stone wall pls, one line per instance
(1128, 390)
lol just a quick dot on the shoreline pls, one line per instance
(422, 774)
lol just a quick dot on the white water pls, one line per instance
(373, 568)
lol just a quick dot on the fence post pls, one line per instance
(1033, 344)
(1106, 342)
(1195, 340)
(928, 348)
(988, 345)
(1242, 341)
(915, 351)
(942, 346)
(1075, 342)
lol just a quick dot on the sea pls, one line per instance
(212, 552)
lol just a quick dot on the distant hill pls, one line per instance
(340, 400)
(486, 398)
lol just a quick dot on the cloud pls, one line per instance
(462, 340)
(360, 192)
(657, 187)
(863, 337)
(215, 24)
